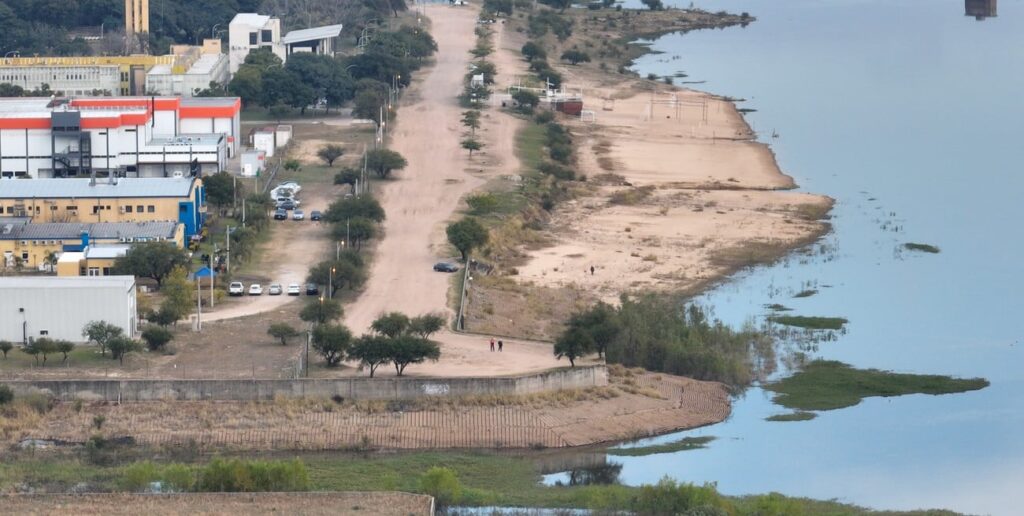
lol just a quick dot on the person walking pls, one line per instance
(500, 345)
(492, 343)
(591, 270)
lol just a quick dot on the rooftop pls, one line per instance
(125, 282)
(325, 32)
(192, 139)
(251, 19)
(106, 251)
(102, 188)
(205, 64)
(96, 230)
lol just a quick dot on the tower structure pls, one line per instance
(136, 25)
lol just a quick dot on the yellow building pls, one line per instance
(83, 200)
(28, 245)
(92, 261)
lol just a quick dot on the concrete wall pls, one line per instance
(361, 388)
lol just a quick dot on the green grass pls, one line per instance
(81, 356)
(828, 385)
(806, 293)
(799, 415)
(812, 323)
(778, 308)
(530, 146)
(686, 443)
(924, 248)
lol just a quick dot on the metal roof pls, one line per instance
(250, 19)
(96, 230)
(325, 32)
(126, 187)
(106, 251)
(125, 282)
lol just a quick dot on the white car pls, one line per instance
(255, 289)
(274, 290)
(298, 215)
(236, 288)
(294, 290)
(291, 185)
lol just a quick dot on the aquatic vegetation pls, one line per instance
(686, 443)
(829, 384)
(813, 323)
(806, 293)
(924, 248)
(799, 415)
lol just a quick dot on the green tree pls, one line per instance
(41, 347)
(471, 119)
(324, 75)
(220, 189)
(471, 144)
(408, 349)
(368, 102)
(177, 294)
(384, 161)
(576, 57)
(573, 344)
(348, 176)
(101, 332)
(282, 331)
(654, 5)
(442, 484)
(247, 84)
(330, 152)
(156, 337)
(121, 346)
(365, 206)
(532, 50)
(482, 204)
(467, 235)
(151, 260)
(601, 323)
(332, 342)
(357, 231)
(424, 326)
(526, 99)
(372, 351)
(391, 325)
(347, 273)
(5, 347)
(321, 311)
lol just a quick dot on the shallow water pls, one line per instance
(907, 113)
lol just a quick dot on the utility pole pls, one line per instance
(199, 305)
(330, 284)
(227, 239)
(348, 235)
(211, 281)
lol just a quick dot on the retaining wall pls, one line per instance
(357, 388)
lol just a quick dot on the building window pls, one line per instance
(253, 38)
(151, 209)
(94, 271)
(96, 209)
(72, 208)
(53, 208)
(268, 36)
(128, 209)
(24, 256)
(140, 208)
(106, 271)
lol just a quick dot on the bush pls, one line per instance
(6, 395)
(442, 484)
(236, 475)
(156, 337)
(669, 497)
(544, 117)
(561, 153)
(482, 204)
(556, 170)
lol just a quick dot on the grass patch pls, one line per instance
(631, 196)
(775, 307)
(81, 356)
(806, 293)
(530, 145)
(828, 385)
(799, 415)
(684, 444)
(811, 323)
(923, 248)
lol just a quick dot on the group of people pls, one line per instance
(500, 344)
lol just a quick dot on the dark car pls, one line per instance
(312, 289)
(315, 215)
(280, 214)
(286, 204)
(446, 267)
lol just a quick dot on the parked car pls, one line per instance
(255, 290)
(298, 215)
(280, 214)
(315, 215)
(312, 289)
(446, 267)
(293, 289)
(274, 290)
(287, 204)
(236, 288)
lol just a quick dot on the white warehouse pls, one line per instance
(59, 307)
(120, 136)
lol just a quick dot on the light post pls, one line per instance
(213, 31)
(330, 284)
(211, 280)
(337, 249)
(199, 305)
(227, 241)
(320, 319)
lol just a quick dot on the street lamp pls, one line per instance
(330, 284)
(321, 318)
(213, 31)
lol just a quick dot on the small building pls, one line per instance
(253, 163)
(207, 68)
(251, 31)
(317, 40)
(568, 105)
(176, 200)
(31, 245)
(59, 307)
(265, 140)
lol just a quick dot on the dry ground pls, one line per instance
(635, 404)
(308, 504)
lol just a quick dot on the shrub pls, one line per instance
(156, 337)
(561, 152)
(442, 484)
(252, 476)
(6, 395)
(482, 204)
(556, 170)
(544, 117)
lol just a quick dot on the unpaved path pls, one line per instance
(421, 200)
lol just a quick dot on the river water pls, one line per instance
(907, 112)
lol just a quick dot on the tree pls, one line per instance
(220, 189)
(442, 484)
(654, 5)
(368, 103)
(601, 323)
(321, 311)
(466, 235)
(357, 231)
(151, 260)
(64, 347)
(576, 57)
(293, 165)
(390, 325)
(41, 347)
(332, 342)
(324, 75)
(572, 344)
(372, 351)
(346, 273)
(348, 176)
(101, 332)
(533, 51)
(121, 346)
(330, 152)
(156, 337)
(471, 119)
(247, 84)
(424, 326)
(472, 144)
(407, 349)
(5, 347)
(281, 86)
(384, 161)
(282, 331)
(178, 299)
(164, 317)
(526, 99)
(365, 206)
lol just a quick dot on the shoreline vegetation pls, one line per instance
(924, 248)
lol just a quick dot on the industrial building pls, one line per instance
(251, 31)
(120, 136)
(95, 260)
(318, 40)
(59, 307)
(31, 245)
(196, 69)
(179, 200)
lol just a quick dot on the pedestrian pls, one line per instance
(500, 345)
(591, 270)
(492, 343)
